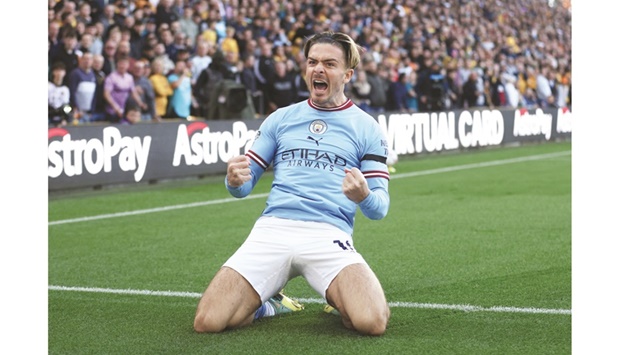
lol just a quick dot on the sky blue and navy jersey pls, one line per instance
(309, 148)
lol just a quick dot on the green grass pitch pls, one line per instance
(474, 257)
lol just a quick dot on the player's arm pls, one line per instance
(244, 171)
(371, 194)
(377, 203)
(242, 175)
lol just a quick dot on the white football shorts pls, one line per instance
(278, 250)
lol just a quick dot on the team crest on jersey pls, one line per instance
(318, 127)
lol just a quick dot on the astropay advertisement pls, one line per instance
(98, 155)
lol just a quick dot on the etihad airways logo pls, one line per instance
(312, 158)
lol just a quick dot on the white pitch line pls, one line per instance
(455, 307)
(481, 165)
(250, 197)
(156, 209)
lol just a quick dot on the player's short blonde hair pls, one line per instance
(345, 42)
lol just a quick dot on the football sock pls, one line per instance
(265, 310)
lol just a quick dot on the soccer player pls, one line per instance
(329, 158)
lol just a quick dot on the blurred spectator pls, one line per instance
(201, 59)
(397, 95)
(67, 52)
(53, 38)
(563, 88)
(123, 50)
(109, 56)
(222, 67)
(138, 13)
(177, 7)
(544, 87)
(150, 28)
(180, 44)
(137, 40)
(98, 112)
(118, 86)
(180, 82)
(246, 43)
(67, 19)
(82, 88)
(521, 83)
(301, 86)
(453, 90)
(148, 46)
(360, 90)
(229, 43)
(512, 94)
(94, 30)
(378, 86)
(140, 71)
(114, 33)
(96, 10)
(188, 25)
(184, 55)
(161, 87)
(496, 96)
(433, 89)
(281, 88)
(132, 114)
(529, 99)
(161, 55)
(531, 73)
(279, 53)
(210, 33)
(164, 13)
(248, 79)
(276, 34)
(412, 91)
(470, 91)
(58, 96)
(264, 69)
(86, 41)
(84, 13)
(108, 17)
(167, 39)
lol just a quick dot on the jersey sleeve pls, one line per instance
(374, 168)
(261, 155)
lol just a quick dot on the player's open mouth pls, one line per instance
(319, 85)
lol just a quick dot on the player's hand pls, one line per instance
(354, 185)
(238, 171)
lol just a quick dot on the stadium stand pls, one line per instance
(519, 49)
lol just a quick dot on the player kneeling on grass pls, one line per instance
(329, 158)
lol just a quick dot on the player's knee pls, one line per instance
(372, 323)
(204, 322)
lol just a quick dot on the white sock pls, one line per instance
(265, 310)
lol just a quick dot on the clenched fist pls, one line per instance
(354, 185)
(238, 171)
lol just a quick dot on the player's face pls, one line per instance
(326, 75)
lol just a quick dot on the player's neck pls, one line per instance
(328, 104)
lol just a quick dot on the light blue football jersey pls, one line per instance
(309, 148)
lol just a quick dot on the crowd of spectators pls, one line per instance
(109, 58)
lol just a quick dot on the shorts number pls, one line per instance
(348, 245)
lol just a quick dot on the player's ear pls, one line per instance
(348, 74)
